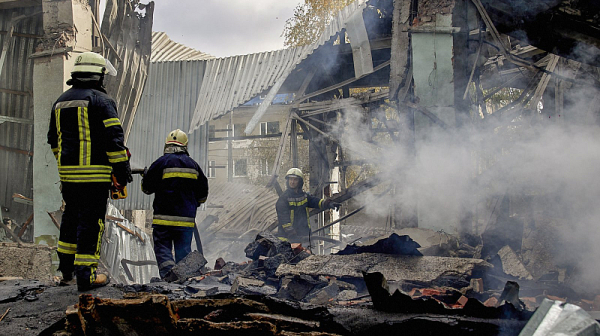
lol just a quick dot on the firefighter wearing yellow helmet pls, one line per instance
(292, 208)
(180, 187)
(86, 137)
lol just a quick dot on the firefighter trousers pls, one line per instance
(81, 230)
(165, 238)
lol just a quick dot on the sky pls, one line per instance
(224, 27)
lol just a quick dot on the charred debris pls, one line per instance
(283, 289)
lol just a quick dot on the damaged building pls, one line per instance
(460, 137)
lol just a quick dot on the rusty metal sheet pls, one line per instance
(16, 104)
(129, 32)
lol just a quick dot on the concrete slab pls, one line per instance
(393, 267)
(512, 265)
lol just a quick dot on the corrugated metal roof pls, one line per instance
(244, 207)
(127, 251)
(16, 100)
(164, 49)
(167, 103)
(231, 81)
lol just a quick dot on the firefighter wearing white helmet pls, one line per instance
(292, 208)
(92, 63)
(176, 138)
(180, 187)
(86, 137)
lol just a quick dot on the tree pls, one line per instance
(309, 20)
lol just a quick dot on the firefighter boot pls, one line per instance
(68, 279)
(101, 281)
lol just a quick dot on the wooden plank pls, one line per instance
(9, 232)
(427, 113)
(27, 222)
(15, 92)
(53, 220)
(539, 91)
(16, 150)
(131, 232)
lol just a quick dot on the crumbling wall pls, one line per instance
(28, 261)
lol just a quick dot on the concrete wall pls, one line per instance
(67, 31)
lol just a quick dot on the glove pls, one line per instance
(122, 172)
(145, 171)
(329, 204)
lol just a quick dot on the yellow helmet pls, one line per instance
(90, 62)
(295, 172)
(177, 137)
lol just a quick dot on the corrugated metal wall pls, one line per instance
(16, 100)
(232, 81)
(168, 102)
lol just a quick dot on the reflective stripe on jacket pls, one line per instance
(292, 212)
(85, 135)
(179, 186)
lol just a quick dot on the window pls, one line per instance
(240, 167)
(211, 131)
(269, 127)
(264, 167)
(238, 130)
(212, 170)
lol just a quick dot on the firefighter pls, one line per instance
(180, 187)
(87, 141)
(292, 208)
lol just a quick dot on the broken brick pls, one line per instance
(491, 302)
(219, 263)
(462, 300)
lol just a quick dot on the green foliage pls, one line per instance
(309, 20)
(503, 97)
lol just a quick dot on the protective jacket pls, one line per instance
(180, 187)
(86, 135)
(292, 212)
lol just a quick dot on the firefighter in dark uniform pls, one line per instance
(180, 187)
(292, 208)
(87, 140)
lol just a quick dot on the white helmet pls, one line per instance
(177, 137)
(91, 62)
(295, 172)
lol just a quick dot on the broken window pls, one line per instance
(269, 127)
(211, 131)
(238, 130)
(240, 167)
(212, 170)
(265, 166)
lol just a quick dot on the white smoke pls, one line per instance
(555, 158)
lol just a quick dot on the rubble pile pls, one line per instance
(285, 290)
(154, 314)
